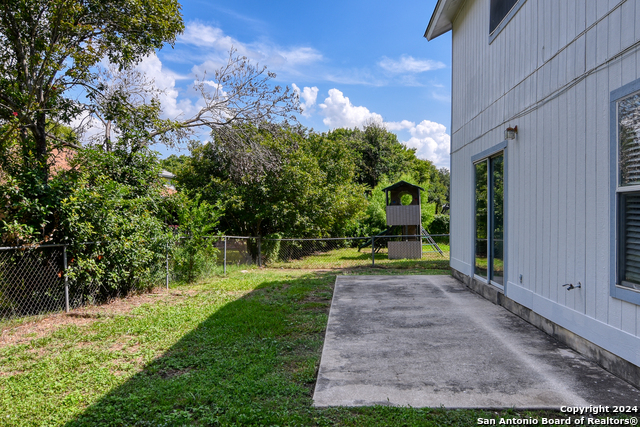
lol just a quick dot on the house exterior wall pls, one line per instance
(550, 71)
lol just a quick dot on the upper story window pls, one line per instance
(625, 135)
(499, 10)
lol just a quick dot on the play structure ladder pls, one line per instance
(426, 236)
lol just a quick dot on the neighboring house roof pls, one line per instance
(166, 174)
(442, 18)
(169, 189)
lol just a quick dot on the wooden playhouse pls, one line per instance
(403, 209)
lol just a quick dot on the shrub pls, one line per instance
(195, 255)
(439, 225)
(115, 201)
(270, 247)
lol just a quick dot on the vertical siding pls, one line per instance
(590, 202)
(557, 170)
(569, 231)
(581, 231)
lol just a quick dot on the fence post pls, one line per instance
(66, 279)
(167, 266)
(373, 251)
(225, 255)
(259, 251)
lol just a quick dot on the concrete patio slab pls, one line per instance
(427, 341)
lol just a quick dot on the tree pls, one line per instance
(378, 153)
(173, 163)
(306, 190)
(115, 200)
(239, 93)
(127, 105)
(48, 47)
(50, 52)
(438, 179)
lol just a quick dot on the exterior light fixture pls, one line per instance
(511, 132)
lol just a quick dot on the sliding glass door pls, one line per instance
(489, 219)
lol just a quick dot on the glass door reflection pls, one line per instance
(489, 219)
(497, 219)
(481, 266)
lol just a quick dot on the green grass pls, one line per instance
(351, 257)
(235, 350)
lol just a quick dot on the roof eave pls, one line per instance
(442, 19)
(399, 184)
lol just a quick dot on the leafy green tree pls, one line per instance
(438, 193)
(48, 47)
(173, 163)
(305, 188)
(115, 200)
(378, 153)
(195, 254)
(375, 219)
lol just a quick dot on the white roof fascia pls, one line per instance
(442, 18)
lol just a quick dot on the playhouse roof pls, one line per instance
(401, 184)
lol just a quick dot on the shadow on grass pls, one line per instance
(252, 361)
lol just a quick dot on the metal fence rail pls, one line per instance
(35, 280)
(349, 251)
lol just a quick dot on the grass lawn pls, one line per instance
(235, 350)
(351, 257)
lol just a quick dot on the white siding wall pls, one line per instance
(558, 169)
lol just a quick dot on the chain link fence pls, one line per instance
(330, 253)
(31, 280)
(47, 278)
(37, 280)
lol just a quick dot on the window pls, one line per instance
(499, 9)
(625, 120)
(500, 13)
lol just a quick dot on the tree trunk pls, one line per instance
(40, 136)
(107, 136)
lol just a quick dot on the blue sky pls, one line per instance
(351, 61)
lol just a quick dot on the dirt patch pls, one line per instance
(172, 373)
(38, 328)
(10, 373)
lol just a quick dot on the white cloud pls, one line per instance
(431, 142)
(165, 80)
(301, 55)
(207, 36)
(440, 97)
(340, 112)
(409, 64)
(395, 126)
(308, 96)
(213, 47)
(429, 138)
